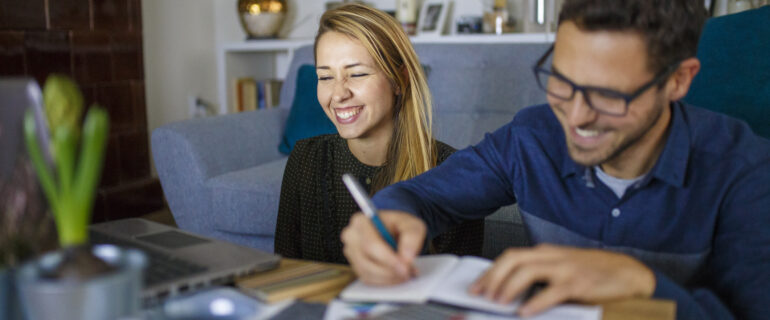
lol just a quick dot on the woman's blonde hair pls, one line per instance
(412, 149)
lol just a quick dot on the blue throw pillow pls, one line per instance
(306, 117)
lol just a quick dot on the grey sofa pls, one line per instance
(222, 175)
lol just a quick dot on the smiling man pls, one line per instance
(624, 190)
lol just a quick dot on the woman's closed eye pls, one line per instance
(353, 75)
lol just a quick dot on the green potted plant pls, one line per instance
(79, 281)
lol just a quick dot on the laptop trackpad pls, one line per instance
(172, 239)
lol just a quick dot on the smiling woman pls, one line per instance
(372, 87)
(356, 96)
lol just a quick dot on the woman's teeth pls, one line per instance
(348, 112)
(586, 133)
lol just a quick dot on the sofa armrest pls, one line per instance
(224, 143)
(188, 153)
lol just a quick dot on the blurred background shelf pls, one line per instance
(269, 59)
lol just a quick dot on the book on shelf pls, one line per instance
(251, 94)
(248, 89)
(272, 92)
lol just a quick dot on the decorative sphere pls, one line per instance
(261, 18)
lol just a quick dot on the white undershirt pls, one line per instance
(617, 185)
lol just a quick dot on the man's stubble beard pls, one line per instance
(616, 150)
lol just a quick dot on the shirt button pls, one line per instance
(368, 181)
(616, 212)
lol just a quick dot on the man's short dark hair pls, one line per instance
(671, 28)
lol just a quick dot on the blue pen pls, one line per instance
(359, 194)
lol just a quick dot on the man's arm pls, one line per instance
(470, 184)
(736, 278)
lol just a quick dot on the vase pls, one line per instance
(111, 295)
(9, 304)
(261, 18)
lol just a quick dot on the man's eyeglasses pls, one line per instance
(603, 100)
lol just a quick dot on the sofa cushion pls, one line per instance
(730, 80)
(461, 129)
(476, 78)
(306, 118)
(247, 200)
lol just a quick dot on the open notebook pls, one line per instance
(442, 278)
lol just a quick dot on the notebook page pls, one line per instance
(454, 290)
(431, 269)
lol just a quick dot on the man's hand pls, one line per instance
(371, 258)
(582, 275)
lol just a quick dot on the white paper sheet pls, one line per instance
(454, 291)
(431, 270)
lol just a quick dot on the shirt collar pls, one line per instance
(672, 164)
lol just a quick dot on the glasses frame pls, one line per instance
(538, 68)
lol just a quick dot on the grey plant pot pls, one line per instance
(9, 301)
(110, 296)
(5, 292)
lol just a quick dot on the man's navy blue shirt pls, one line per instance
(700, 219)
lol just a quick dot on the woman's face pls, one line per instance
(355, 94)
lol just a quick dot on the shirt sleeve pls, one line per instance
(470, 184)
(287, 228)
(735, 282)
(464, 239)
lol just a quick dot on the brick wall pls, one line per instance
(99, 44)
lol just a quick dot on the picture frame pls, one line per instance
(433, 15)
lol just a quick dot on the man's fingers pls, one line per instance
(548, 297)
(370, 272)
(409, 232)
(365, 249)
(373, 260)
(380, 253)
(489, 283)
(410, 241)
(374, 273)
(523, 279)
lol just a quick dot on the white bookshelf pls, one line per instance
(270, 59)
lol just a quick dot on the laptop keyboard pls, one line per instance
(161, 267)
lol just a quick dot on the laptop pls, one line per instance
(178, 261)
(181, 261)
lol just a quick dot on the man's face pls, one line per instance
(612, 60)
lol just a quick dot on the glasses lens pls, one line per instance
(606, 102)
(554, 85)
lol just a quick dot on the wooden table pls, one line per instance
(631, 309)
